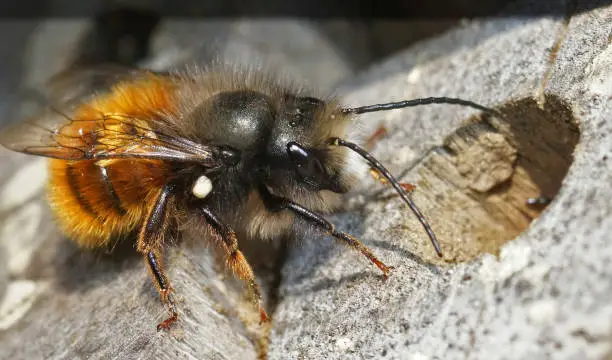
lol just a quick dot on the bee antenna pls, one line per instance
(378, 166)
(417, 102)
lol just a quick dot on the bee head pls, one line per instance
(298, 153)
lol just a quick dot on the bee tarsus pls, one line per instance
(235, 260)
(376, 175)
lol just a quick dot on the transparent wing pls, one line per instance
(54, 133)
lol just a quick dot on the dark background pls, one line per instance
(399, 9)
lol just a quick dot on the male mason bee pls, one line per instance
(237, 150)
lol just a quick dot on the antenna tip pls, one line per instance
(436, 246)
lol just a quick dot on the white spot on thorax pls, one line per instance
(202, 187)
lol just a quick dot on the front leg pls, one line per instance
(151, 245)
(376, 175)
(277, 203)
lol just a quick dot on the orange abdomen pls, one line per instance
(94, 203)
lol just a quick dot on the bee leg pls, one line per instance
(276, 203)
(154, 260)
(235, 259)
(150, 244)
(370, 142)
(378, 177)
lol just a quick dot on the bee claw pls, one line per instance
(407, 187)
(166, 324)
(387, 271)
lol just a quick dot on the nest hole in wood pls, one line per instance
(481, 184)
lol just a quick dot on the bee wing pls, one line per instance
(53, 133)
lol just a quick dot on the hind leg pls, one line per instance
(151, 245)
(154, 261)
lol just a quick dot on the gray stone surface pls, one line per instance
(545, 296)
(3, 273)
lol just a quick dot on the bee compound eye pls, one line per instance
(306, 163)
(297, 154)
(202, 187)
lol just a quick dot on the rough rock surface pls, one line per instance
(545, 296)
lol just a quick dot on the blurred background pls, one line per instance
(328, 45)
(320, 42)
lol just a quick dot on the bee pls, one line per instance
(240, 151)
